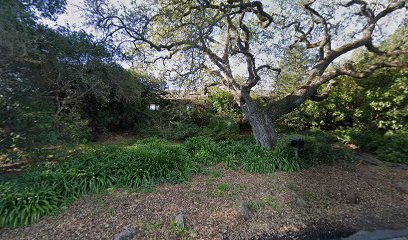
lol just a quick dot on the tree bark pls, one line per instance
(263, 126)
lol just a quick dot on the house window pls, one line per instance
(154, 107)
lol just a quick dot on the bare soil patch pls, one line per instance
(337, 199)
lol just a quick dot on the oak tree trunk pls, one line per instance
(263, 126)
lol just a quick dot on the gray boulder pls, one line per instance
(127, 234)
(300, 202)
(402, 186)
(244, 211)
(179, 219)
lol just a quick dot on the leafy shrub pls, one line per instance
(200, 115)
(223, 102)
(203, 150)
(322, 136)
(184, 131)
(394, 148)
(222, 127)
(367, 140)
(170, 131)
(317, 152)
(172, 122)
(389, 147)
(31, 134)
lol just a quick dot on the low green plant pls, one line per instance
(221, 189)
(390, 146)
(282, 157)
(256, 205)
(151, 227)
(222, 128)
(184, 131)
(183, 232)
(27, 206)
(394, 148)
(141, 165)
(217, 173)
(94, 170)
(243, 153)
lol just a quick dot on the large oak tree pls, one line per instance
(236, 43)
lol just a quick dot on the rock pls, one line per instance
(127, 234)
(300, 203)
(244, 211)
(355, 198)
(224, 232)
(402, 187)
(179, 219)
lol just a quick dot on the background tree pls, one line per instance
(62, 83)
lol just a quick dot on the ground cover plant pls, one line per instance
(139, 164)
(25, 199)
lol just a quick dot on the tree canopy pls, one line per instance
(52, 81)
(239, 44)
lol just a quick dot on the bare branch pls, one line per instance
(269, 67)
(321, 97)
(348, 69)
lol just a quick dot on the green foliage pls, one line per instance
(221, 128)
(145, 163)
(221, 189)
(378, 103)
(390, 146)
(281, 158)
(257, 205)
(317, 152)
(367, 140)
(393, 148)
(203, 150)
(370, 118)
(252, 158)
(141, 165)
(223, 102)
(65, 85)
(172, 122)
(56, 83)
(27, 206)
(182, 132)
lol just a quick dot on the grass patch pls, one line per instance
(221, 189)
(310, 197)
(257, 205)
(183, 233)
(215, 173)
(228, 190)
(151, 227)
(321, 200)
